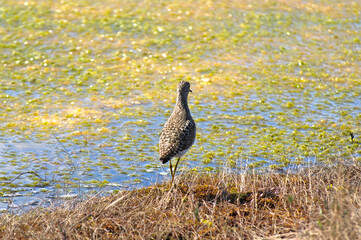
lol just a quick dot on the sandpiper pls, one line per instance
(179, 132)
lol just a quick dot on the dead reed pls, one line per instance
(315, 203)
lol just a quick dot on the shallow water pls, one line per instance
(85, 90)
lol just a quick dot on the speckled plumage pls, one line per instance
(179, 131)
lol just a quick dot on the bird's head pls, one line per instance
(184, 88)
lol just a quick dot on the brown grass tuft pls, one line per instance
(316, 203)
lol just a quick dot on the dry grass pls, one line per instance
(316, 203)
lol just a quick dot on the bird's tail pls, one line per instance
(164, 159)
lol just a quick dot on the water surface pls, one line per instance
(85, 88)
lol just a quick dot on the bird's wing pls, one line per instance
(186, 135)
(175, 139)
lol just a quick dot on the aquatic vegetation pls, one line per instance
(84, 86)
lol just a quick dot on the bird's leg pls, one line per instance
(172, 173)
(175, 169)
(171, 168)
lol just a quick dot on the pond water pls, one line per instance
(86, 88)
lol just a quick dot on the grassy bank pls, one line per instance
(315, 203)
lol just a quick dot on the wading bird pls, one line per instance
(179, 132)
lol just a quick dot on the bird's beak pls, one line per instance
(190, 90)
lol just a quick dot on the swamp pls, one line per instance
(86, 86)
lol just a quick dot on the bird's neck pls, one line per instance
(182, 104)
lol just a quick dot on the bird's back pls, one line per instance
(177, 136)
